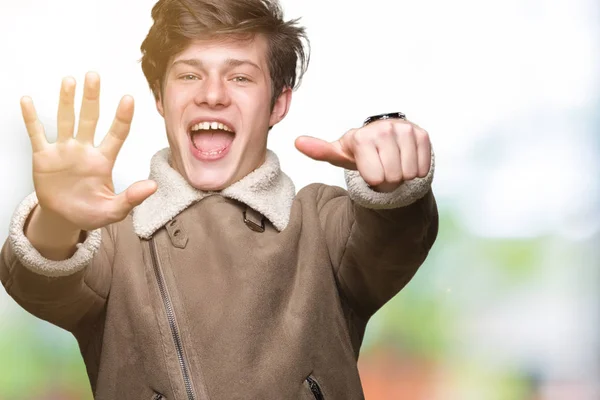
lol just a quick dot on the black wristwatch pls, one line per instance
(394, 115)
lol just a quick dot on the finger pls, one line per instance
(90, 109)
(133, 196)
(35, 129)
(66, 110)
(407, 143)
(321, 150)
(368, 163)
(423, 153)
(389, 156)
(114, 139)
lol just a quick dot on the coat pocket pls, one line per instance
(314, 387)
(158, 396)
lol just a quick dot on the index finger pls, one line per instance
(34, 127)
(113, 141)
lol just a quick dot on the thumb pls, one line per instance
(140, 191)
(321, 150)
(133, 196)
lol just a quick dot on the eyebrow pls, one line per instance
(230, 62)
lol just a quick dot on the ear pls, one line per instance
(159, 105)
(281, 106)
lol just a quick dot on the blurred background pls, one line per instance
(506, 307)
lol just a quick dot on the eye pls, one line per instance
(241, 79)
(188, 77)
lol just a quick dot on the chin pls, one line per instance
(211, 176)
(214, 179)
(207, 185)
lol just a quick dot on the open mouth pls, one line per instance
(211, 138)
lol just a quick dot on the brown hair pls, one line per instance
(178, 22)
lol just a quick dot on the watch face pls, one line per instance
(397, 115)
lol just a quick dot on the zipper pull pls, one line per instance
(314, 388)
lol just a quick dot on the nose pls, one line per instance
(213, 93)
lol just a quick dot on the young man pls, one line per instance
(214, 279)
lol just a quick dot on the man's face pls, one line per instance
(216, 103)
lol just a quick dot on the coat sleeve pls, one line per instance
(69, 293)
(377, 241)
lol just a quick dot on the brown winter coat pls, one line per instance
(188, 299)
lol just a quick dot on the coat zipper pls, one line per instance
(171, 318)
(314, 388)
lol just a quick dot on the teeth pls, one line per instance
(210, 125)
(211, 153)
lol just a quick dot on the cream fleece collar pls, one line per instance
(267, 190)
